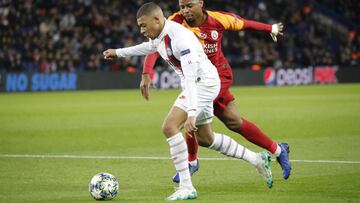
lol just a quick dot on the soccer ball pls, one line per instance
(103, 186)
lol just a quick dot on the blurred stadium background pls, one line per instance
(52, 143)
(69, 36)
(49, 36)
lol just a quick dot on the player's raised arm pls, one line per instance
(231, 21)
(274, 29)
(277, 29)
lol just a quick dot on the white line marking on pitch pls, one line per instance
(152, 158)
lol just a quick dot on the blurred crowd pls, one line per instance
(69, 35)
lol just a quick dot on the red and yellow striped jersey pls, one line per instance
(210, 34)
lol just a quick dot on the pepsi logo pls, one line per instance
(269, 77)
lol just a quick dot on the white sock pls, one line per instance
(277, 151)
(230, 147)
(193, 163)
(179, 155)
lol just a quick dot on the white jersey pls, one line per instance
(184, 53)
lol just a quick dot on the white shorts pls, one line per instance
(205, 98)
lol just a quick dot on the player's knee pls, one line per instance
(168, 130)
(205, 141)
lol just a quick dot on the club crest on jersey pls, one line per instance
(214, 35)
(168, 51)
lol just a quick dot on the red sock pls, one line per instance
(254, 135)
(192, 147)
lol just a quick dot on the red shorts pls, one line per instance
(223, 99)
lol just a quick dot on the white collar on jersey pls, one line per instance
(164, 31)
(162, 34)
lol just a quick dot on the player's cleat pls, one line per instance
(263, 167)
(283, 160)
(183, 193)
(192, 169)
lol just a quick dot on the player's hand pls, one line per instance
(110, 54)
(277, 29)
(189, 125)
(145, 86)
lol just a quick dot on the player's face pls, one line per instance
(149, 26)
(191, 9)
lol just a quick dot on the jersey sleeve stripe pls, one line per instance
(170, 52)
(229, 21)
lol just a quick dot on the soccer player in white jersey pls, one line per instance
(193, 109)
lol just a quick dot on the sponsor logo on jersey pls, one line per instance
(184, 52)
(210, 48)
(214, 35)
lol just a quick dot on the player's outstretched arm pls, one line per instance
(274, 29)
(110, 54)
(234, 22)
(277, 29)
(137, 50)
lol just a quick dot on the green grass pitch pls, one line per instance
(319, 123)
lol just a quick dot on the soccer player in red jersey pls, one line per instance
(209, 27)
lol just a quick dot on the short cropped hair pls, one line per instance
(147, 9)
